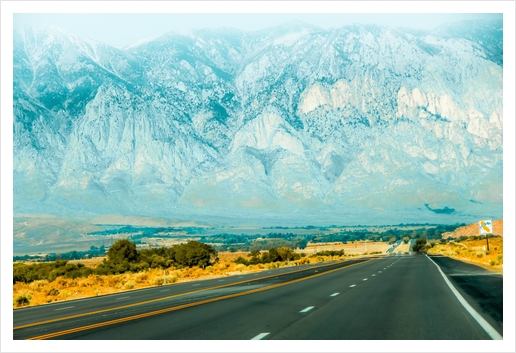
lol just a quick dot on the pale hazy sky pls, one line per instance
(122, 29)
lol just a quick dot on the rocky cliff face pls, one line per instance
(358, 122)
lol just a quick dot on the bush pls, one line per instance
(53, 291)
(419, 245)
(240, 260)
(129, 285)
(22, 299)
(240, 267)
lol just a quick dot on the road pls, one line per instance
(384, 298)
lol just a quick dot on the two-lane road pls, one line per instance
(402, 297)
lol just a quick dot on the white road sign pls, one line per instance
(486, 227)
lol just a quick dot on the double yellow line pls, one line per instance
(179, 307)
(161, 298)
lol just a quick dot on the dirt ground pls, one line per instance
(472, 230)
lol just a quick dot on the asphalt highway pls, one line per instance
(396, 297)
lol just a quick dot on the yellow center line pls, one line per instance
(159, 299)
(179, 307)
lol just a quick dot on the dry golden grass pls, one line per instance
(473, 251)
(42, 292)
(94, 262)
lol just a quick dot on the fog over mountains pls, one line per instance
(357, 124)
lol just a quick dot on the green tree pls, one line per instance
(195, 253)
(273, 255)
(122, 251)
(419, 245)
(254, 253)
(286, 254)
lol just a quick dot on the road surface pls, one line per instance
(383, 298)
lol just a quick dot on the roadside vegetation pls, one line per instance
(471, 249)
(100, 271)
(126, 268)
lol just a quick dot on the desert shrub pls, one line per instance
(480, 256)
(129, 285)
(304, 260)
(158, 281)
(139, 266)
(241, 261)
(38, 285)
(141, 277)
(240, 267)
(53, 291)
(500, 257)
(22, 299)
(493, 263)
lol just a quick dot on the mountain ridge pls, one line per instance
(326, 122)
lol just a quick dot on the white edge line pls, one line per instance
(481, 321)
(260, 336)
(306, 309)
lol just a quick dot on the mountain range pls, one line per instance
(295, 123)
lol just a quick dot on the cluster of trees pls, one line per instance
(244, 243)
(71, 255)
(121, 257)
(49, 271)
(330, 253)
(272, 255)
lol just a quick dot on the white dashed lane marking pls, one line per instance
(306, 309)
(334, 294)
(68, 307)
(260, 336)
